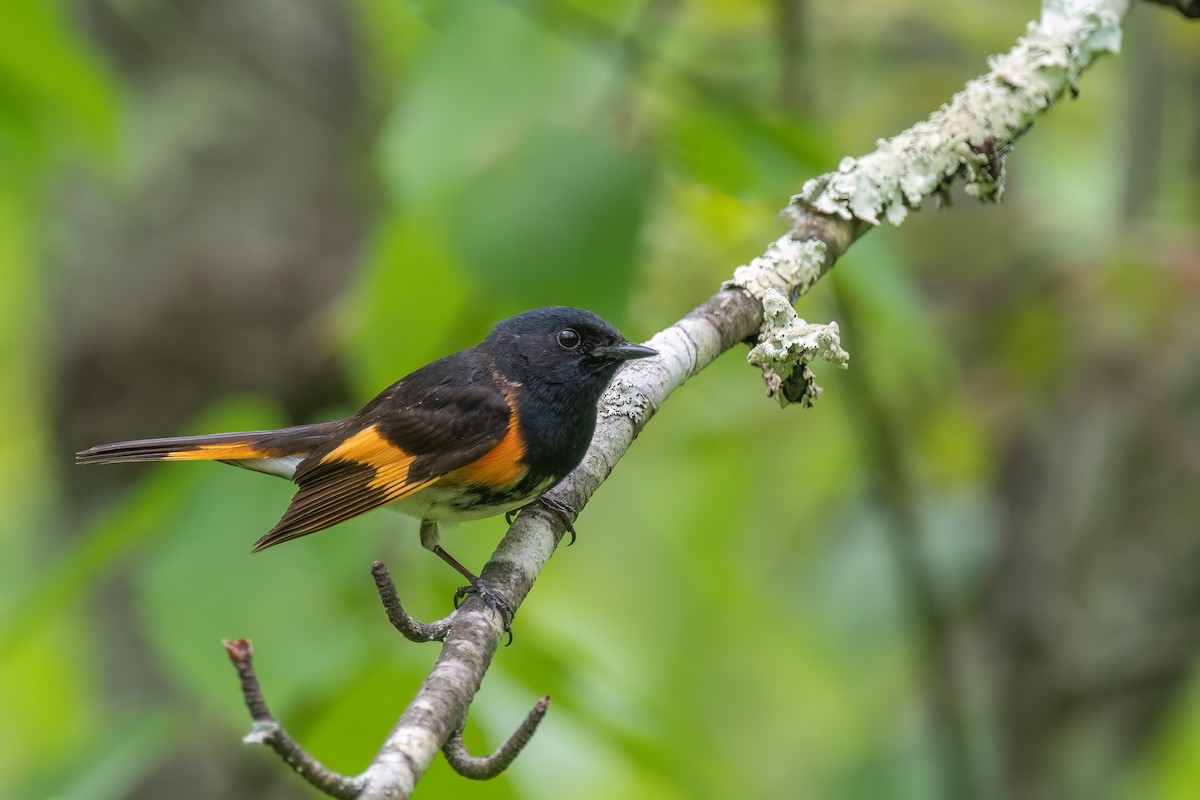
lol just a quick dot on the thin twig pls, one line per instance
(267, 730)
(411, 629)
(482, 769)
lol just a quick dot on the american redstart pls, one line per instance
(484, 431)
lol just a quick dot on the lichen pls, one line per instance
(624, 398)
(786, 348)
(788, 267)
(261, 732)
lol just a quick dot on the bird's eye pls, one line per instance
(569, 338)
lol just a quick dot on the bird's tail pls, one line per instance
(297, 441)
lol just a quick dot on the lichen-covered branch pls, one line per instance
(787, 346)
(966, 139)
(963, 137)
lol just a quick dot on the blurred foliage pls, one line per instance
(969, 571)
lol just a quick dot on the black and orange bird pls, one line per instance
(484, 431)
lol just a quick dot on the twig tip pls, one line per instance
(239, 651)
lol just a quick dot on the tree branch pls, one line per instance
(487, 767)
(409, 628)
(965, 139)
(268, 731)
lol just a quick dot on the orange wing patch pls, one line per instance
(371, 449)
(500, 466)
(361, 474)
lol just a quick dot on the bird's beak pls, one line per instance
(626, 352)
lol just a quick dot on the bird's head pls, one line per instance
(558, 344)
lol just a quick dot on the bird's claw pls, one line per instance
(562, 508)
(568, 514)
(491, 598)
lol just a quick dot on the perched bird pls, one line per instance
(481, 432)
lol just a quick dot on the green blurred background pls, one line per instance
(971, 571)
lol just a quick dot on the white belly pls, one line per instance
(442, 504)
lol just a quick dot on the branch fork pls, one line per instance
(409, 628)
(486, 767)
(267, 730)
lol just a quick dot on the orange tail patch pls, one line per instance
(221, 452)
(245, 446)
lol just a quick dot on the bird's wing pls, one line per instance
(403, 441)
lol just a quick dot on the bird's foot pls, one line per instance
(568, 513)
(491, 598)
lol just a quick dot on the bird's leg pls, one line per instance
(431, 541)
(562, 508)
